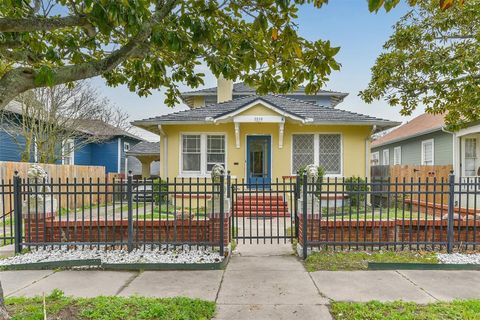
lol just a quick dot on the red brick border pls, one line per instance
(161, 231)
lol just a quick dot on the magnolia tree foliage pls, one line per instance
(150, 44)
(432, 58)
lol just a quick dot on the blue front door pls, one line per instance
(259, 161)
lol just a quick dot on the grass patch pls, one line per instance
(335, 261)
(154, 216)
(376, 214)
(59, 306)
(466, 309)
(64, 211)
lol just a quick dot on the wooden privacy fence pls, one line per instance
(428, 193)
(65, 173)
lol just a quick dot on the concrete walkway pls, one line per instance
(260, 282)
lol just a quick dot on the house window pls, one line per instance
(302, 151)
(126, 146)
(215, 151)
(200, 152)
(324, 150)
(427, 152)
(397, 155)
(191, 153)
(386, 157)
(67, 151)
(375, 158)
(470, 157)
(330, 148)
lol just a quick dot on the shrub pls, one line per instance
(357, 189)
(160, 191)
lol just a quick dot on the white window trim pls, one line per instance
(119, 155)
(377, 154)
(316, 151)
(72, 153)
(433, 151)
(385, 152)
(464, 149)
(203, 173)
(399, 160)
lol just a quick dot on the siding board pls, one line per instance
(412, 148)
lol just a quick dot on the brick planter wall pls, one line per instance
(387, 231)
(159, 232)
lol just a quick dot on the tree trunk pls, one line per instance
(3, 311)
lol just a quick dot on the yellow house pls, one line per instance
(261, 138)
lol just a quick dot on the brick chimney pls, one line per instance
(224, 89)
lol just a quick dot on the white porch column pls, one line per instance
(281, 129)
(237, 135)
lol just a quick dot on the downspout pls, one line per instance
(163, 160)
(368, 140)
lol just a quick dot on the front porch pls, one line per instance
(467, 166)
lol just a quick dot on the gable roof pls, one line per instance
(92, 127)
(423, 124)
(101, 128)
(307, 111)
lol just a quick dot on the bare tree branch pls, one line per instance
(50, 117)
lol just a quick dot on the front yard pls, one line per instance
(58, 306)
(336, 261)
(458, 310)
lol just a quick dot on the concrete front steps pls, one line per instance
(262, 205)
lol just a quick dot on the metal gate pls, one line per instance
(264, 212)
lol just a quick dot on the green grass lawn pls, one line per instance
(336, 261)
(59, 306)
(377, 214)
(456, 310)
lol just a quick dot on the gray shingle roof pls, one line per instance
(145, 148)
(101, 128)
(242, 89)
(92, 127)
(309, 112)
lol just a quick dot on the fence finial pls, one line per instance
(15, 173)
(130, 173)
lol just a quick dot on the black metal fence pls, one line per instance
(125, 213)
(6, 212)
(333, 213)
(432, 214)
(264, 212)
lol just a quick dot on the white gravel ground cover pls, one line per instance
(156, 255)
(459, 258)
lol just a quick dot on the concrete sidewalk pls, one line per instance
(260, 282)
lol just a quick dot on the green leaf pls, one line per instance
(44, 76)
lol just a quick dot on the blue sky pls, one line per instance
(346, 23)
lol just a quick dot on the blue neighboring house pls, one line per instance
(110, 152)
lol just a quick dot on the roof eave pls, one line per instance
(407, 137)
